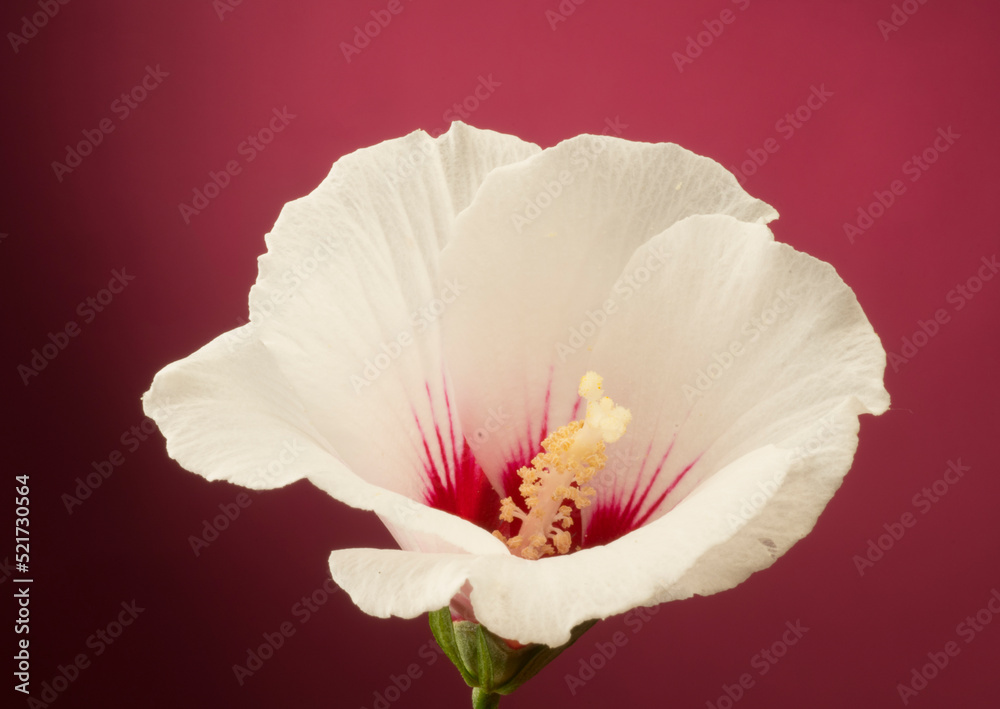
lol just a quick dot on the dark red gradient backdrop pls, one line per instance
(216, 72)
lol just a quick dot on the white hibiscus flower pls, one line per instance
(438, 307)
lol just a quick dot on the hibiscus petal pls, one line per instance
(543, 244)
(228, 413)
(349, 299)
(541, 601)
(734, 343)
(770, 437)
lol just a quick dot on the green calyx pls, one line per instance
(487, 663)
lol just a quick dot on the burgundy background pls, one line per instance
(119, 210)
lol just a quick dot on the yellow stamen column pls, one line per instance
(571, 456)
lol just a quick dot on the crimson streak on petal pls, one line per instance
(612, 519)
(458, 485)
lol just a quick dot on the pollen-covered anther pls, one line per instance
(508, 509)
(563, 540)
(537, 548)
(565, 517)
(570, 458)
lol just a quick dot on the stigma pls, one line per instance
(557, 479)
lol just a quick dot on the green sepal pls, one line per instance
(541, 656)
(444, 633)
(485, 656)
(487, 662)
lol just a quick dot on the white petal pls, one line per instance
(229, 414)
(536, 271)
(541, 601)
(772, 438)
(386, 582)
(349, 300)
(733, 343)
(782, 508)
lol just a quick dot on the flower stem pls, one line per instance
(492, 666)
(484, 700)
